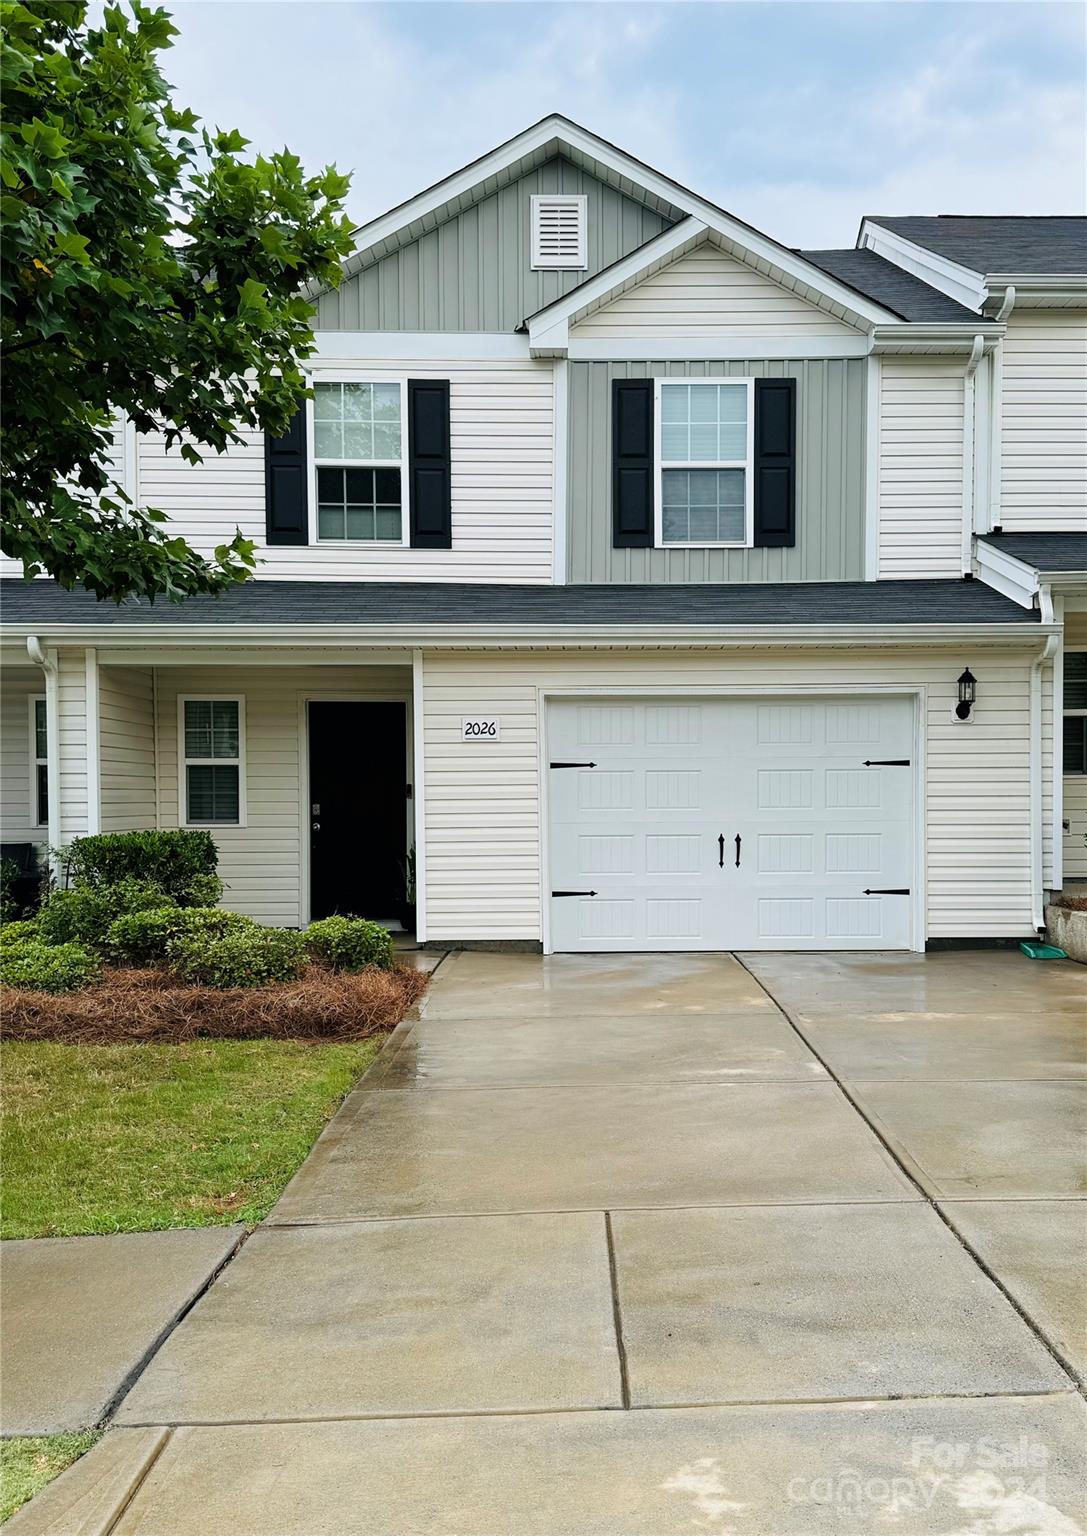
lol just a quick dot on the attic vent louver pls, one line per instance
(559, 236)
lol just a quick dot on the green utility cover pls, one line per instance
(1039, 951)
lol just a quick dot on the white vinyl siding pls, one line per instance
(482, 801)
(1043, 439)
(501, 438)
(920, 468)
(126, 748)
(17, 820)
(707, 293)
(262, 862)
(72, 706)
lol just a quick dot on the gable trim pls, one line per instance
(960, 283)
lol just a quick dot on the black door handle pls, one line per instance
(721, 851)
(737, 850)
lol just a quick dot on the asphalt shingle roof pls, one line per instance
(879, 279)
(1039, 244)
(285, 603)
(1043, 551)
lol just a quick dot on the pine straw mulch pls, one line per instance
(1074, 902)
(134, 1006)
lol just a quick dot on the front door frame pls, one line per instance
(917, 692)
(305, 801)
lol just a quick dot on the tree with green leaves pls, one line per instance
(147, 268)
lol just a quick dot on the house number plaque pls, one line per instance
(480, 728)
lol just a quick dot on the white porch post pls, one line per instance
(419, 793)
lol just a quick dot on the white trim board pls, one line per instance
(334, 348)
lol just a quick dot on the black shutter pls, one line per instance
(286, 502)
(428, 464)
(775, 463)
(632, 463)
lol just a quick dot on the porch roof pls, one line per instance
(41, 604)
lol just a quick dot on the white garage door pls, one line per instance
(731, 824)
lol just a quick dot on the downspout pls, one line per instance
(968, 392)
(47, 661)
(996, 408)
(1047, 652)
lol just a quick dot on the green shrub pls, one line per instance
(85, 914)
(349, 943)
(144, 938)
(250, 956)
(47, 967)
(178, 862)
(19, 932)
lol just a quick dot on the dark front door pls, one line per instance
(358, 814)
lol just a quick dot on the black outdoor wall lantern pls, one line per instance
(968, 692)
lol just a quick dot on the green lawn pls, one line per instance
(27, 1465)
(132, 1138)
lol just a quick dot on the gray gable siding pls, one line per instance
(830, 531)
(473, 273)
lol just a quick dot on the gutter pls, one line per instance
(523, 637)
(47, 661)
(1046, 654)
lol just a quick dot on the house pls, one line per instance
(662, 587)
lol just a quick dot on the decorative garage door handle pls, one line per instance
(893, 890)
(573, 893)
(886, 762)
(721, 851)
(737, 850)
(571, 765)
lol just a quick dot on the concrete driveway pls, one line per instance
(628, 1246)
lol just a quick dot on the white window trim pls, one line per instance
(34, 810)
(341, 376)
(184, 762)
(541, 263)
(747, 465)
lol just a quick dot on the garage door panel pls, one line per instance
(819, 791)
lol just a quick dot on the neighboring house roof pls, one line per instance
(879, 279)
(44, 605)
(1034, 244)
(1062, 552)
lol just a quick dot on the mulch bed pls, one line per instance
(133, 1006)
(1073, 903)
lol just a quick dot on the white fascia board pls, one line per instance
(200, 638)
(717, 348)
(926, 337)
(1036, 290)
(334, 348)
(960, 283)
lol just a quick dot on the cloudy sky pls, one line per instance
(798, 117)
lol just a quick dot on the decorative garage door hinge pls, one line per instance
(573, 893)
(893, 890)
(886, 762)
(571, 765)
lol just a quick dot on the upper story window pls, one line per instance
(39, 763)
(560, 232)
(358, 450)
(212, 761)
(1075, 712)
(705, 437)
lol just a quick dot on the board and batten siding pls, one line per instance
(830, 515)
(17, 820)
(126, 750)
(483, 799)
(501, 439)
(920, 468)
(262, 863)
(707, 292)
(1043, 436)
(473, 272)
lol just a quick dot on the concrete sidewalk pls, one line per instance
(618, 1246)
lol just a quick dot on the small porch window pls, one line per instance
(39, 764)
(358, 452)
(212, 761)
(1075, 712)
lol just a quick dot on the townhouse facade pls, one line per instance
(630, 581)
